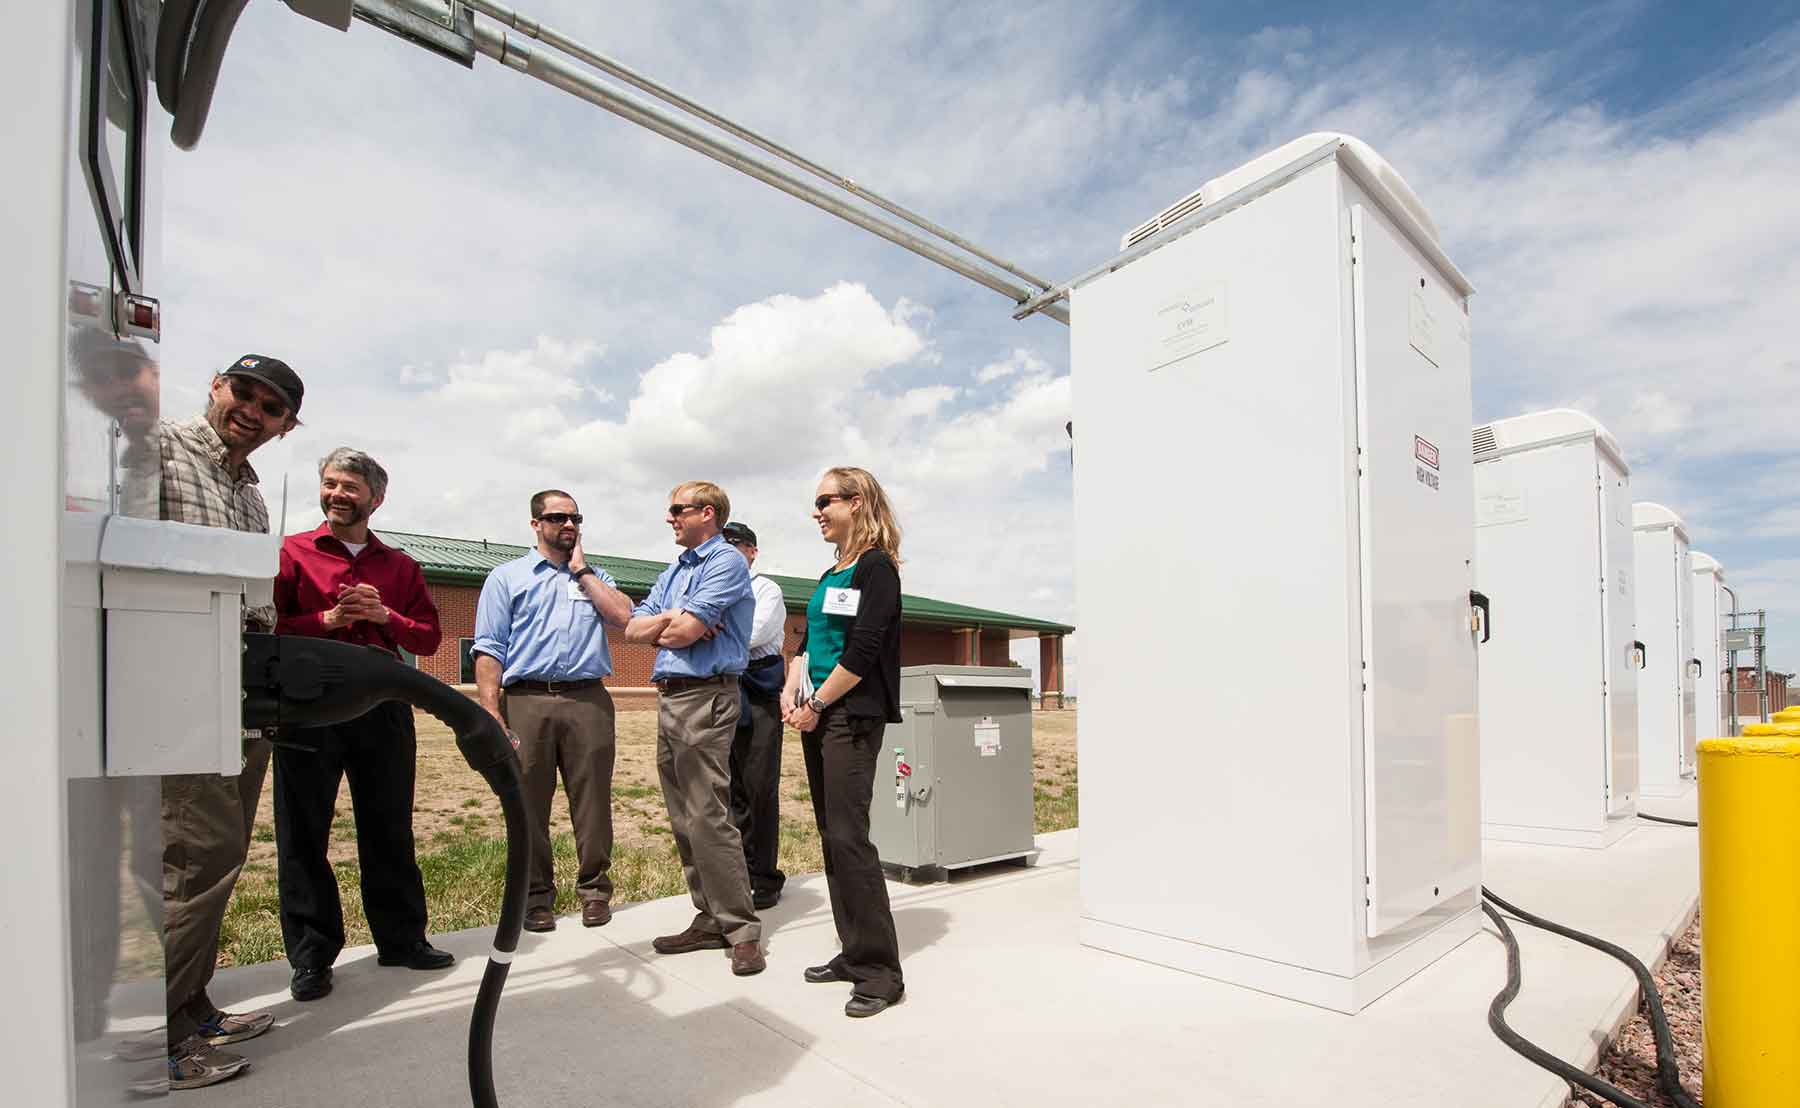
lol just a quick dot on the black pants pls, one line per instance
(756, 792)
(377, 752)
(840, 770)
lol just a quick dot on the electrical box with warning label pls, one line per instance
(953, 779)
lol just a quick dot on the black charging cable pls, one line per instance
(1668, 1073)
(1668, 819)
(295, 681)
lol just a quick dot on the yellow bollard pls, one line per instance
(1778, 729)
(1750, 915)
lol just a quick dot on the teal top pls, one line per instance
(825, 633)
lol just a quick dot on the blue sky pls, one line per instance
(496, 287)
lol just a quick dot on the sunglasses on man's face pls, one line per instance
(560, 518)
(243, 393)
(819, 502)
(676, 510)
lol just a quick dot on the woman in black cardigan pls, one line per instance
(852, 645)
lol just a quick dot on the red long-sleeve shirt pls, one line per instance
(315, 563)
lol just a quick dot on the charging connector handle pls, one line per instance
(296, 681)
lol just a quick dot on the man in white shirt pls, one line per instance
(756, 747)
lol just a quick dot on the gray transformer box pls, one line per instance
(966, 734)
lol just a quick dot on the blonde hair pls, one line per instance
(872, 527)
(707, 495)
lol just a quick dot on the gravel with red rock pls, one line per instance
(1630, 1062)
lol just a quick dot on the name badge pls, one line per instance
(575, 592)
(842, 602)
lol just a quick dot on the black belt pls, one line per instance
(554, 686)
(682, 684)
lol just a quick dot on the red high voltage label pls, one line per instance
(1425, 452)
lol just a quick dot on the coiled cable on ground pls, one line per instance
(1668, 1073)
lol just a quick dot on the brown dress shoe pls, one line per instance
(595, 913)
(747, 959)
(690, 940)
(540, 919)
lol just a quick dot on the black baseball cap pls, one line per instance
(736, 532)
(272, 372)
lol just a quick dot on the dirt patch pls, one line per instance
(450, 798)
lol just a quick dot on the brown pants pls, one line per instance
(694, 728)
(573, 732)
(840, 771)
(206, 824)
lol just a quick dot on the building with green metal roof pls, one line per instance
(932, 631)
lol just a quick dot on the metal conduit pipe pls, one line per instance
(552, 38)
(564, 75)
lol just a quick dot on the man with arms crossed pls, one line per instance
(756, 747)
(340, 581)
(540, 638)
(699, 614)
(207, 819)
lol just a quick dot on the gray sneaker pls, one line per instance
(226, 1028)
(196, 1064)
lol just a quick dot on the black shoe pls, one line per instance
(862, 1007)
(420, 955)
(765, 900)
(310, 984)
(820, 975)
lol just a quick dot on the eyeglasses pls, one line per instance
(560, 518)
(676, 510)
(245, 394)
(819, 502)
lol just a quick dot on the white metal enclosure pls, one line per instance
(1292, 373)
(1711, 715)
(1553, 549)
(1665, 584)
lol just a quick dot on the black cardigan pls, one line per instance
(872, 643)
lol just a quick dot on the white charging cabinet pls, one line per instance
(1553, 550)
(1665, 603)
(1712, 717)
(172, 599)
(1274, 534)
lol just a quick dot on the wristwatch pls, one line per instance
(580, 573)
(817, 705)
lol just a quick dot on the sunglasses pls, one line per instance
(819, 502)
(676, 510)
(243, 393)
(560, 518)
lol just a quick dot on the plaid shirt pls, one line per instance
(197, 489)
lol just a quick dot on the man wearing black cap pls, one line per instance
(206, 818)
(756, 745)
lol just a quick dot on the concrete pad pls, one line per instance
(1004, 1006)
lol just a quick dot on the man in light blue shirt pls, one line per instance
(540, 635)
(699, 615)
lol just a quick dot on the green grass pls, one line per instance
(464, 870)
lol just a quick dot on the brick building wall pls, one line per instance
(919, 646)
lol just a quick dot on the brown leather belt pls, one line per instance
(555, 686)
(683, 684)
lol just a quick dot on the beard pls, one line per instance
(560, 541)
(357, 512)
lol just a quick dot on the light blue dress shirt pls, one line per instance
(711, 583)
(536, 622)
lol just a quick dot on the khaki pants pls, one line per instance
(694, 728)
(206, 824)
(571, 731)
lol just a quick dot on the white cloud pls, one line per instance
(544, 375)
(1019, 361)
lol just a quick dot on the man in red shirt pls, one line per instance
(342, 582)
